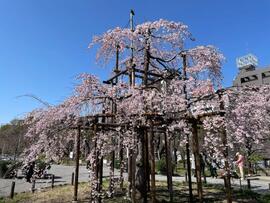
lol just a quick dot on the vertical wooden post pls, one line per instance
(12, 189)
(184, 56)
(132, 71)
(147, 167)
(133, 176)
(146, 59)
(131, 15)
(100, 176)
(121, 157)
(72, 178)
(144, 154)
(169, 165)
(76, 180)
(249, 152)
(95, 164)
(96, 168)
(197, 159)
(189, 170)
(248, 184)
(52, 185)
(33, 188)
(116, 70)
(204, 176)
(112, 171)
(152, 157)
(112, 157)
(130, 168)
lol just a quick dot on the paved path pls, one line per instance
(261, 185)
(63, 176)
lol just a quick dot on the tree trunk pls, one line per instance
(227, 177)
(196, 151)
(141, 179)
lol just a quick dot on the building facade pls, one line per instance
(251, 75)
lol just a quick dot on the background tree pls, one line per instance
(12, 140)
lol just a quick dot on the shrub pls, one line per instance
(162, 167)
(265, 198)
(4, 165)
(117, 164)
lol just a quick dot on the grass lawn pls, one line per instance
(59, 194)
(212, 193)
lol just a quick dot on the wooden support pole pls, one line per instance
(131, 173)
(52, 183)
(121, 157)
(133, 176)
(72, 178)
(116, 70)
(12, 189)
(147, 167)
(77, 159)
(189, 169)
(133, 76)
(112, 172)
(184, 56)
(98, 172)
(33, 188)
(112, 157)
(130, 170)
(248, 184)
(204, 176)
(197, 157)
(152, 157)
(146, 58)
(144, 175)
(95, 165)
(100, 176)
(169, 165)
(96, 168)
(132, 71)
(228, 180)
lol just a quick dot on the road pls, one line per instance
(63, 176)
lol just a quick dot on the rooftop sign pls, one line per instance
(246, 60)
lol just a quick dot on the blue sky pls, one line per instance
(43, 43)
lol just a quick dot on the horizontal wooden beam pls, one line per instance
(115, 76)
(149, 73)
